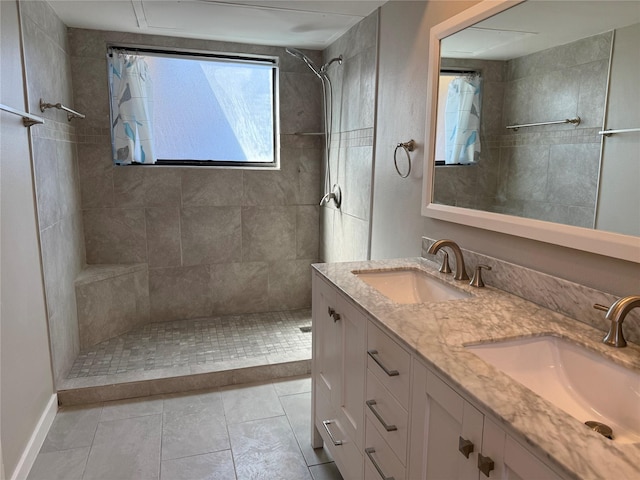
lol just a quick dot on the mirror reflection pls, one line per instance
(523, 99)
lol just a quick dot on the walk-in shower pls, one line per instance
(332, 191)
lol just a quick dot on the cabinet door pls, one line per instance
(327, 354)
(520, 464)
(452, 424)
(353, 339)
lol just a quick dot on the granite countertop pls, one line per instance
(438, 332)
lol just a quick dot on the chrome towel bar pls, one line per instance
(574, 121)
(70, 113)
(28, 120)
(606, 133)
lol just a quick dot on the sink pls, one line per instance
(583, 383)
(410, 286)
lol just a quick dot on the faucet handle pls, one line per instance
(476, 281)
(445, 268)
(599, 306)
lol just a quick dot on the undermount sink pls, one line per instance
(410, 286)
(584, 384)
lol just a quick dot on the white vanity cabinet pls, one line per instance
(454, 440)
(339, 364)
(384, 415)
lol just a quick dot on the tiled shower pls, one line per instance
(201, 265)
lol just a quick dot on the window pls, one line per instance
(177, 108)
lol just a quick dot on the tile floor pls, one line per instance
(201, 341)
(253, 431)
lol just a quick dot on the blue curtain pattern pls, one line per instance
(462, 120)
(131, 109)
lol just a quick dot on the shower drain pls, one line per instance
(601, 428)
(305, 329)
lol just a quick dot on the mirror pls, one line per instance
(519, 93)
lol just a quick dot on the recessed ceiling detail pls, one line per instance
(313, 24)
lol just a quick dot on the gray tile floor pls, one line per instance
(254, 431)
(199, 341)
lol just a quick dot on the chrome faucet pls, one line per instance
(461, 273)
(617, 313)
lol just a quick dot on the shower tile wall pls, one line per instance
(216, 241)
(345, 232)
(548, 172)
(48, 75)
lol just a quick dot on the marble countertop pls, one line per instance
(438, 332)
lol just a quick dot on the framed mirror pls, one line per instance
(533, 122)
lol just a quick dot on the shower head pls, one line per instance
(299, 55)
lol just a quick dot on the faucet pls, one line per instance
(617, 313)
(461, 273)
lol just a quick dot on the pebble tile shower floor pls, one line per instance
(200, 341)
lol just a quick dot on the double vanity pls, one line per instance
(417, 375)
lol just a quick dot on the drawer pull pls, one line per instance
(387, 427)
(370, 451)
(325, 424)
(485, 464)
(332, 313)
(373, 354)
(465, 446)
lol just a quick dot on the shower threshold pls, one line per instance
(184, 355)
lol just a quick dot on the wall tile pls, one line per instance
(211, 235)
(128, 186)
(573, 174)
(290, 285)
(115, 235)
(309, 178)
(69, 182)
(355, 179)
(274, 187)
(179, 293)
(307, 231)
(112, 307)
(97, 191)
(91, 90)
(300, 103)
(94, 159)
(239, 288)
(162, 187)
(46, 180)
(268, 233)
(163, 237)
(211, 187)
(528, 170)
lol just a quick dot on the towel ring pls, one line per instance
(409, 146)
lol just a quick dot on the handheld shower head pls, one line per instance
(298, 54)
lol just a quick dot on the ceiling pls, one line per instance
(312, 24)
(537, 25)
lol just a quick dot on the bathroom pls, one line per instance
(80, 209)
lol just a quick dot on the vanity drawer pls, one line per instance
(380, 461)
(386, 413)
(390, 363)
(347, 455)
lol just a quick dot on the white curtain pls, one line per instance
(462, 120)
(131, 109)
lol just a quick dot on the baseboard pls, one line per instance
(37, 439)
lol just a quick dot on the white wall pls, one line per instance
(621, 153)
(26, 383)
(397, 223)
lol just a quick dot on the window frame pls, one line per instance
(231, 57)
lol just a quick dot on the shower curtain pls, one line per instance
(462, 120)
(131, 109)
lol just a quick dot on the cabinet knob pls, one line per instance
(485, 464)
(465, 446)
(332, 313)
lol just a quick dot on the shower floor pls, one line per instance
(223, 349)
